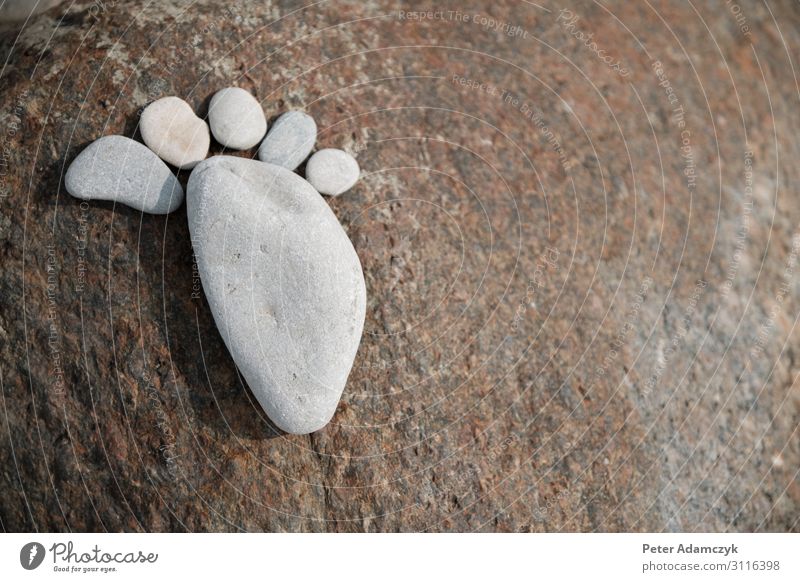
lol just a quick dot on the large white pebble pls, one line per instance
(172, 130)
(117, 168)
(332, 171)
(284, 284)
(236, 118)
(290, 140)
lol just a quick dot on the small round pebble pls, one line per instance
(290, 140)
(236, 118)
(172, 130)
(332, 171)
(117, 168)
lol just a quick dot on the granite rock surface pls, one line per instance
(581, 272)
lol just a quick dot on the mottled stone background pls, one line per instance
(580, 241)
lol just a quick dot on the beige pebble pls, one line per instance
(172, 130)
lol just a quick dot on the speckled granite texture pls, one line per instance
(579, 231)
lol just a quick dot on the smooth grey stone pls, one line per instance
(172, 130)
(19, 10)
(290, 140)
(284, 283)
(236, 118)
(332, 171)
(120, 169)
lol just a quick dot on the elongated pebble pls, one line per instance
(332, 171)
(172, 130)
(290, 140)
(121, 169)
(284, 283)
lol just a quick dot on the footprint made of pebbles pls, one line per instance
(273, 258)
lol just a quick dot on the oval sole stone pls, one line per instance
(284, 283)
